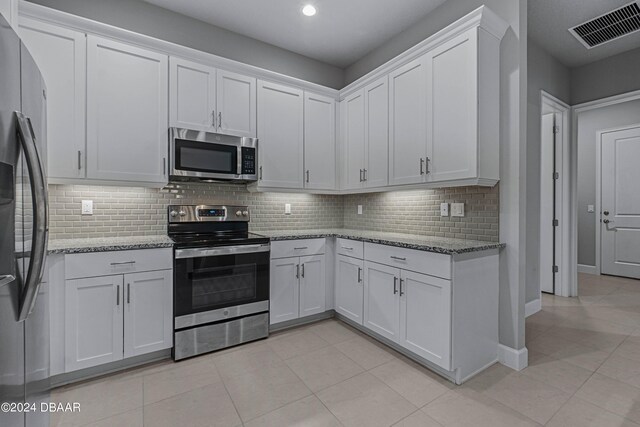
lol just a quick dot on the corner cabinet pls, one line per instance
(127, 110)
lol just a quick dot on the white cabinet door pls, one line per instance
(319, 142)
(127, 117)
(381, 301)
(452, 109)
(284, 286)
(93, 321)
(349, 288)
(61, 57)
(312, 285)
(281, 133)
(425, 317)
(407, 123)
(192, 95)
(353, 139)
(376, 96)
(148, 312)
(236, 103)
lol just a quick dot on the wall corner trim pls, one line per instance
(512, 358)
(532, 307)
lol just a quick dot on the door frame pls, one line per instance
(598, 215)
(551, 104)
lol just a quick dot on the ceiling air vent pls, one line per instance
(610, 26)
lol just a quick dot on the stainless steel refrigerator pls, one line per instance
(24, 308)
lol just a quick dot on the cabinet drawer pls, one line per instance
(351, 248)
(301, 247)
(430, 263)
(117, 262)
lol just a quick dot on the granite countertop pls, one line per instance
(105, 244)
(442, 245)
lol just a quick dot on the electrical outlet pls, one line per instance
(457, 209)
(359, 209)
(444, 209)
(287, 208)
(87, 207)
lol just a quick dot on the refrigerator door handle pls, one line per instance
(40, 216)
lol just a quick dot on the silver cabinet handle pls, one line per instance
(401, 291)
(421, 166)
(6, 279)
(359, 275)
(122, 263)
(117, 295)
(398, 258)
(129, 292)
(428, 160)
(299, 249)
(164, 166)
(360, 175)
(297, 271)
(39, 198)
(213, 118)
(347, 249)
(307, 175)
(395, 285)
(79, 160)
(260, 177)
(303, 271)
(364, 175)
(220, 119)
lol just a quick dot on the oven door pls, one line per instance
(220, 283)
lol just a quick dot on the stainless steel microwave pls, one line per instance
(203, 156)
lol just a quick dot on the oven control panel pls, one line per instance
(211, 213)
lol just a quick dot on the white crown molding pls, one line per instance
(56, 17)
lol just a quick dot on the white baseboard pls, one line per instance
(512, 358)
(532, 307)
(588, 269)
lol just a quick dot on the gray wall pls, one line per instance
(145, 18)
(548, 74)
(611, 76)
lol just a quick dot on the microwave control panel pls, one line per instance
(248, 161)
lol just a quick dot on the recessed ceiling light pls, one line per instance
(309, 10)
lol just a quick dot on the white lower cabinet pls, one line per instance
(284, 296)
(312, 285)
(349, 289)
(381, 302)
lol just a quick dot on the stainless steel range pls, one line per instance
(221, 279)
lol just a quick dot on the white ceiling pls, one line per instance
(549, 21)
(340, 33)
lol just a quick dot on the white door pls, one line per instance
(312, 285)
(281, 133)
(353, 139)
(376, 100)
(127, 112)
(236, 103)
(93, 321)
(192, 95)
(148, 312)
(61, 57)
(452, 109)
(407, 123)
(620, 227)
(319, 142)
(425, 317)
(350, 288)
(381, 300)
(9, 9)
(549, 238)
(284, 296)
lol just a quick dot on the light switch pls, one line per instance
(359, 209)
(87, 207)
(287, 208)
(591, 208)
(444, 209)
(457, 209)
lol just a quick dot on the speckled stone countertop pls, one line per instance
(441, 245)
(105, 244)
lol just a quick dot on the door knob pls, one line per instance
(606, 212)
(606, 221)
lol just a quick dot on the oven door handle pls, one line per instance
(222, 250)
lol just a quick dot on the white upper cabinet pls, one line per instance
(319, 142)
(407, 123)
(353, 140)
(376, 129)
(236, 104)
(192, 96)
(127, 112)
(280, 134)
(61, 56)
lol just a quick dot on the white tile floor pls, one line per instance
(584, 356)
